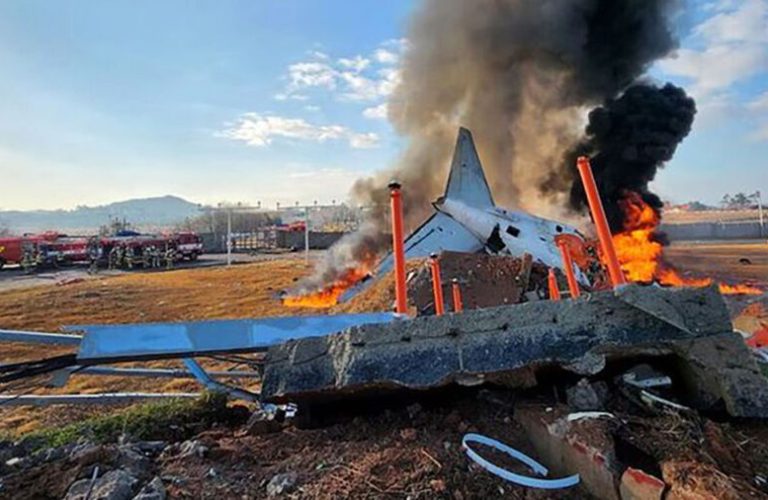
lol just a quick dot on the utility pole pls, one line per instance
(229, 236)
(760, 212)
(306, 235)
(230, 208)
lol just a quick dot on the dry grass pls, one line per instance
(239, 292)
(721, 261)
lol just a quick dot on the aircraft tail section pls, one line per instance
(466, 182)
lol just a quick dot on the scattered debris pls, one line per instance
(536, 467)
(645, 377)
(509, 345)
(639, 485)
(584, 446)
(281, 484)
(265, 422)
(658, 402)
(585, 396)
(153, 490)
(115, 484)
(193, 448)
(573, 417)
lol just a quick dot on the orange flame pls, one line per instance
(328, 295)
(642, 257)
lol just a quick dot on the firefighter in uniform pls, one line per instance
(120, 256)
(155, 256)
(93, 256)
(146, 256)
(170, 255)
(112, 258)
(28, 259)
(129, 256)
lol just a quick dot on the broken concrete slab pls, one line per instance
(510, 344)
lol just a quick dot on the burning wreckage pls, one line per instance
(317, 359)
(501, 330)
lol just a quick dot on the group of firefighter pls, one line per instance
(31, 259)
(119, 257)
(147, 257)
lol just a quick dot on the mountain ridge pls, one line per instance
(151, 212)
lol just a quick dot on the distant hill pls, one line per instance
(144, 213)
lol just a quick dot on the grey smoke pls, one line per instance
(520, 74)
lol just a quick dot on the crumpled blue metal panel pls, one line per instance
(139, 341)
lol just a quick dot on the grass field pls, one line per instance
(249, 290)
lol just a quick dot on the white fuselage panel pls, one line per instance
(519, 232)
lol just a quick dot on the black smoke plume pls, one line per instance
(629, 139)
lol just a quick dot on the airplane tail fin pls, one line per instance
(466, 182)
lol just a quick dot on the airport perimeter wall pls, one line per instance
(715, 231)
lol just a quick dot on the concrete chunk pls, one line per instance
(509, 344)
(638, 485)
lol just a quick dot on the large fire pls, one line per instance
(328, 295)
(641, 255)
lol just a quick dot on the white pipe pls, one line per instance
(89, 399)
(39, 338)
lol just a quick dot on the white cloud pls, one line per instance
(385, 56)
(728, 47)
(760, 103)
(376, 112)
(717, 67)
(759, 107)
(356, 64)
(761, 134)
(260, 130)
(363, 141)
(293, 97)
(311, 74)
(743, 23)
(355, 78)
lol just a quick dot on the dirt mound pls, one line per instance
(485, 281)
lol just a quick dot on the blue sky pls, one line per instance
(283, 100)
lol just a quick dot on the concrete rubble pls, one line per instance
(584, 447)
(639, 485)
(484, 280)
(688, 328)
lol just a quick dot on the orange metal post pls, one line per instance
(437, 285)
(458, 305)
(554, 292)
(601, 223)
(398, 248)
(573, 285)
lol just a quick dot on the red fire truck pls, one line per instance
(189, 245)
(54, 249)
(43, 249)
(12, 249)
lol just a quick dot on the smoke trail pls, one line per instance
(520, 75)
(628, 138)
